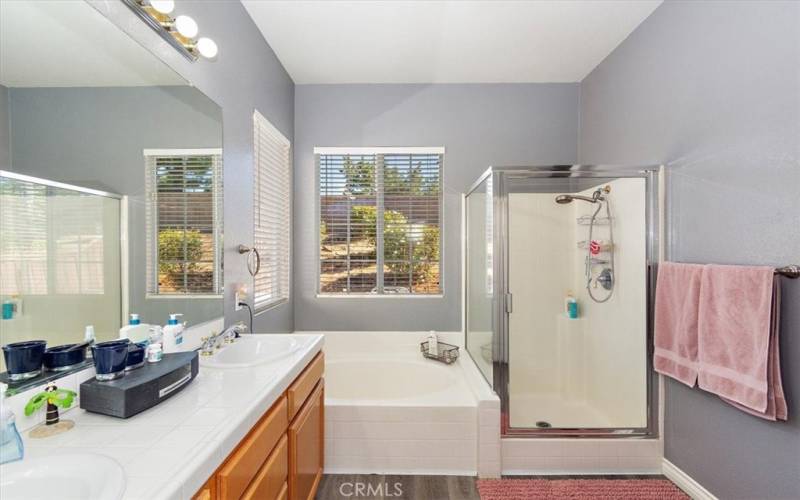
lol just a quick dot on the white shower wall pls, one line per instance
(589, 372)
(616, 336)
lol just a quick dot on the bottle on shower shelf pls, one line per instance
(571, 306)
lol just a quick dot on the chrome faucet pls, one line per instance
(230, 334)
(215, 340)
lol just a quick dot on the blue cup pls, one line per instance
(136, 354)
(63, 357)
(110, 359)
(24, 359)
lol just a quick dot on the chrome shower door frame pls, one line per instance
(502, 299)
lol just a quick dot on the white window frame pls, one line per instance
(272, 233)
(380, 150)
(151, 253)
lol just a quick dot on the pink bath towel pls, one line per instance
(677, 297)
(737, 347)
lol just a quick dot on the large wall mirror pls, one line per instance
(111, 186)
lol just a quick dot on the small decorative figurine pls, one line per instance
(55, 398)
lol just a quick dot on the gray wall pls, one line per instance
(5, 132)
(479, 125)
(246, 76)
(94, 137)
(712, 89)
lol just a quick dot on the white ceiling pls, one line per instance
(67, 43)
(445, 41)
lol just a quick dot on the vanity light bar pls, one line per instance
(180, 31)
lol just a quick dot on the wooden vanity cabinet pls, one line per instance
(306, 440)
(282, 456)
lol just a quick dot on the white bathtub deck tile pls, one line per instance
(404, 430)
(367, 413)
(403, 448)
(489, 434)
(489, 416)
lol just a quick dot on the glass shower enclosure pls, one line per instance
(61, 260)
(560, 267)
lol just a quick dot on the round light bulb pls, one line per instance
(207, 48)
(186, 26)
(163, 6)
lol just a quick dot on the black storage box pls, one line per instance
(140, 389)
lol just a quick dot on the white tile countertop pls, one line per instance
(170, 450)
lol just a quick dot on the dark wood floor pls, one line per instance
(377, 487)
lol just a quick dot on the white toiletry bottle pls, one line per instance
(11, 447)
(89, 336)
(135, 330)
(173, 334)
(433, 344)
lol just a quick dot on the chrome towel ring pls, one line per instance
(250, 251)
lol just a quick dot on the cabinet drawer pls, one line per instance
(271, 478)
(303, 385)
(246, 460)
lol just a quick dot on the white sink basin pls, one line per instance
(251, 350)
(78, 476)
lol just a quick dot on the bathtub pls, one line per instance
(388, 410)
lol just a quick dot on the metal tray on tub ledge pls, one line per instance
(448, 353)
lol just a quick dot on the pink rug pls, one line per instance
(579, 489)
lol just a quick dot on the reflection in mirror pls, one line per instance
(111, 195)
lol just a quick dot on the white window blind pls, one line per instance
(184, 221)
(23, 238)
(272, 213)
(380, 220)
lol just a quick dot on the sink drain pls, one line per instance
(543, 425)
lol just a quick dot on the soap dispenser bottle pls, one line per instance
(173, 333)
(11, 447)
(135, 330)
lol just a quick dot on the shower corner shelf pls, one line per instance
(604, 247)
(448, 353)
(585, 220)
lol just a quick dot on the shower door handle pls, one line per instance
(509, 303)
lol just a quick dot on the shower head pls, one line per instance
(596, 197)
(563, 199)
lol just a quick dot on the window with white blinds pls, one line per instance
(184, 221)
(380, 220)
(272, 232)
(23, 237)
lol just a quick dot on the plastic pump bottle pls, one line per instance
(173, 334)
(135, 330)
(11, 447)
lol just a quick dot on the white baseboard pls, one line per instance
(685, 482)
